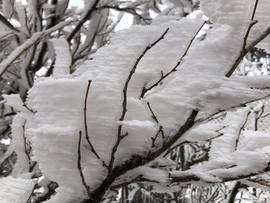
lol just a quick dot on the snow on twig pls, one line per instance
(80, 166)
(82, 21)
(85, 120)
(29, 43)
(240, 130)
(251, 24)
(163, 76)
(124, 103)
(160, 130)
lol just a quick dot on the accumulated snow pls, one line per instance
(180, 74)
(62, 57)
(15, 190)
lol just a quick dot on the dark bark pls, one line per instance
(138, 160)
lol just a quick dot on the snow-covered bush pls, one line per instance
(154, 88)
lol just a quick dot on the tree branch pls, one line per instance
(240, 130)
(124, 103)
(139, 160)
(29, 43)
(160, 127)
(80, 166)
(85, 120)
(163, 76)
(82, 21)
(251, 24)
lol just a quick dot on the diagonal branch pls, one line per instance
(250, 25)
(85, 120)
(124, 103)
(240, 130)
(85, 17)
(80, 166)
(160, 130)
(163, 76)
(29, 43)
(139, 160)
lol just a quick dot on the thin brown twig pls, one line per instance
(240, 130)
(163, 76)
(85, 120)
(82, 21)
(250, 25)
(80, 166)
(190, 142)
(124, 103)
(26, 150)
(160, 130)
(32, 192)
(25, 105)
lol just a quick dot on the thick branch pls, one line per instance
(139, 160)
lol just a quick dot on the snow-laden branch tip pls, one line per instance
(29, 43)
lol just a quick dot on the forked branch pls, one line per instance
(120, 136)
(163, 76)
(160, 130)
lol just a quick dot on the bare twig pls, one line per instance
(251, 24)
(243, 53)
(80, 166)
(160, 130)
(85, 120)
(24, 105)
(26, 150)
(32, 192)
(240, 130)
(124, 103)
(82, 21)
(163, 76)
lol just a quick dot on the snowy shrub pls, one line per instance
(96, 126)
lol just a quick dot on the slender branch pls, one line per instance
(240, 130)
(124, 103)
(32, 192)
(25, 105)
(245, 51)
(26, 150)
(163, 76)
(160, 127)
(80, 166)
(82, 21)
(29, 43)
(85, 120)
(189, 142)
(232, 107)
(250, 25)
